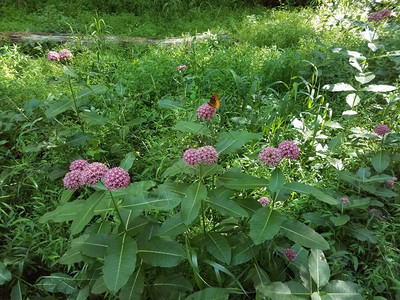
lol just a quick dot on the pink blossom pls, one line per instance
(389, 184)
(182, 67)
(382, 129)
(270, 156)
(192, 157)
(78, 165)
(65, 54)
(379, 15)
(290, 253)
(208, 155)
(73, 180)
(344, 201)
(93, 172)
(53, 55)
(116, 178)
(373, 211)
(289, 149)
(263, 201)
(206, 112)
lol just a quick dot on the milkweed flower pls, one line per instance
(116, 178)
(289, 150)
(53, 55)
(93, 172)
(344, 201)
(206, 112)
(73, 180)
(191, 157)
(373, 211)
(270, 156)
(290, 253)
(379, 15)
(263, 201)
(181, 67)
(208, 155)
(65, 54)
(389, 184)
(381, 129)
(78, 165)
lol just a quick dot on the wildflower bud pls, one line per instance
(65, 54)
(191, 157)
(78, 165)
(290, 253)
(379, 15)
(53, 55)
(344, 201)
(381, 129)
(208, 155)
(116, 178)
(73, 180)
(289, 150)
(389, 184)
(263, 201)
(373, 211)
(93, 172)
(270, 156)
(205, 112)
(181, 67)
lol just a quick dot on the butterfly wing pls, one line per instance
(214, 101)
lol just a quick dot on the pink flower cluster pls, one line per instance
(206, 112)
(271, 156)
(381, 129)
(64, 54)
(290, 253)
(344, 201)
(83, 173)
(181, 67)
(263, 201)
(206, 154)
(379, 15)
(390, 183)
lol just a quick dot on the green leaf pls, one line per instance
(93, 118)
(319, 268)
(340, 220)
(244, 252)
(178, 167)
(338, 87)
(119, 262)
(227, 207)
(342, 290)
(307, 189)
(365, 78)
(83, 216)
(58, 107)
(62, 213)
(79, 138)
(66, 195)
(276, 181)
(159, 252)
(380, 161)
(380, 88)
(218, 246)
(259, 277)
(58, 283)
(170, 284)
(190, 127)
(17, 292)
(68, 71)
(235, 180)
(361, 233)
(264, 225)
(231, 141)
(99, 287)
(282, 291)
(303, 235)
(134, 287)
(128, 160)
(209, 293)
(5, 275)
(190, 206)
(352, 100)
(71, 256)
(172, 226)
(169, 103)
(95, 245)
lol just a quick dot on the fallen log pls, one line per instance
(21, 37)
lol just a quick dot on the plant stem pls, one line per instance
(117, 210)
(203, 214)
(75, 104)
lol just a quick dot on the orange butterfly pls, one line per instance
(214, 101)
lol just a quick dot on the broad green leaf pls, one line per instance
(227, 207)
(5, 274)
(352, 100)
(93, 118)
(83, 293)
(178, 167)
(264, 225)
(316, 218)
(380, 88)
(319, 268)
(342, 290)
(324, 197)
(58, 282)
(365, 78)
(361, 233)
(210, 293)
(159, 252)
(340, 220)
(85, 214)
(58, 107)
(218, 246)
(170, 285)
(119, 262)
(244, 252)
(128, 160)
(62, 213)
(349, 113)
(70, 72)
(259, 277)
(99, 287)
(381, 161)
(384, 192)
(134, 287)
(303, 235)
(65, 196)
(235, 180)
(276, 181)
(71, 256)
(307, 189)
(229, 142)
(169, 103)
(190, 127)
(172, 226)
(190, 206)
(282, 291)
(338, 87)
(95, 245)
(79, 138)
(208, 170)
(18, 291)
